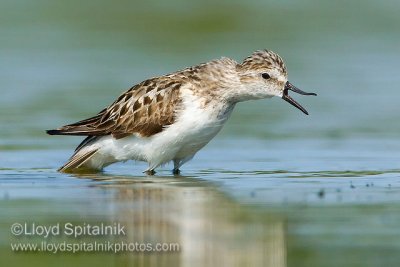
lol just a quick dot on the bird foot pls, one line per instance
(150, 172)
(176, 171)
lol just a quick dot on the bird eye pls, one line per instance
(265, 76)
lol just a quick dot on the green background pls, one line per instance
(275, 187)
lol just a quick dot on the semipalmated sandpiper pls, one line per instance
(171, 117)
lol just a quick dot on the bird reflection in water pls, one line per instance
(209, 228)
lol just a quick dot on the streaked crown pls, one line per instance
(264, 59)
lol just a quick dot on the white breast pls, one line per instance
(195, 126)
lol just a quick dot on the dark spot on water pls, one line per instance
(321, 193)
(351, 185)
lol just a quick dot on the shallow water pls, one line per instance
(274, 188)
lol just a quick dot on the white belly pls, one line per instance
(194, 128)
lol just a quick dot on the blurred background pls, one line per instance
(304, 187)
(63, 61)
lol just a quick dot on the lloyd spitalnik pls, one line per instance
(70, 229)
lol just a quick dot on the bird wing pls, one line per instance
(144, 109)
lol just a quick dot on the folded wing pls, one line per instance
(145, 109)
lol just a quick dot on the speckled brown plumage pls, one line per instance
(144, 109)
(151, 105)
(262, 59)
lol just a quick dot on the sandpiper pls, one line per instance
(171, 117)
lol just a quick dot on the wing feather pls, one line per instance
(144, 109)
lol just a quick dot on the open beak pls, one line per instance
(287, 98)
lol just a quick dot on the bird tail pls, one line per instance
(84, 127)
